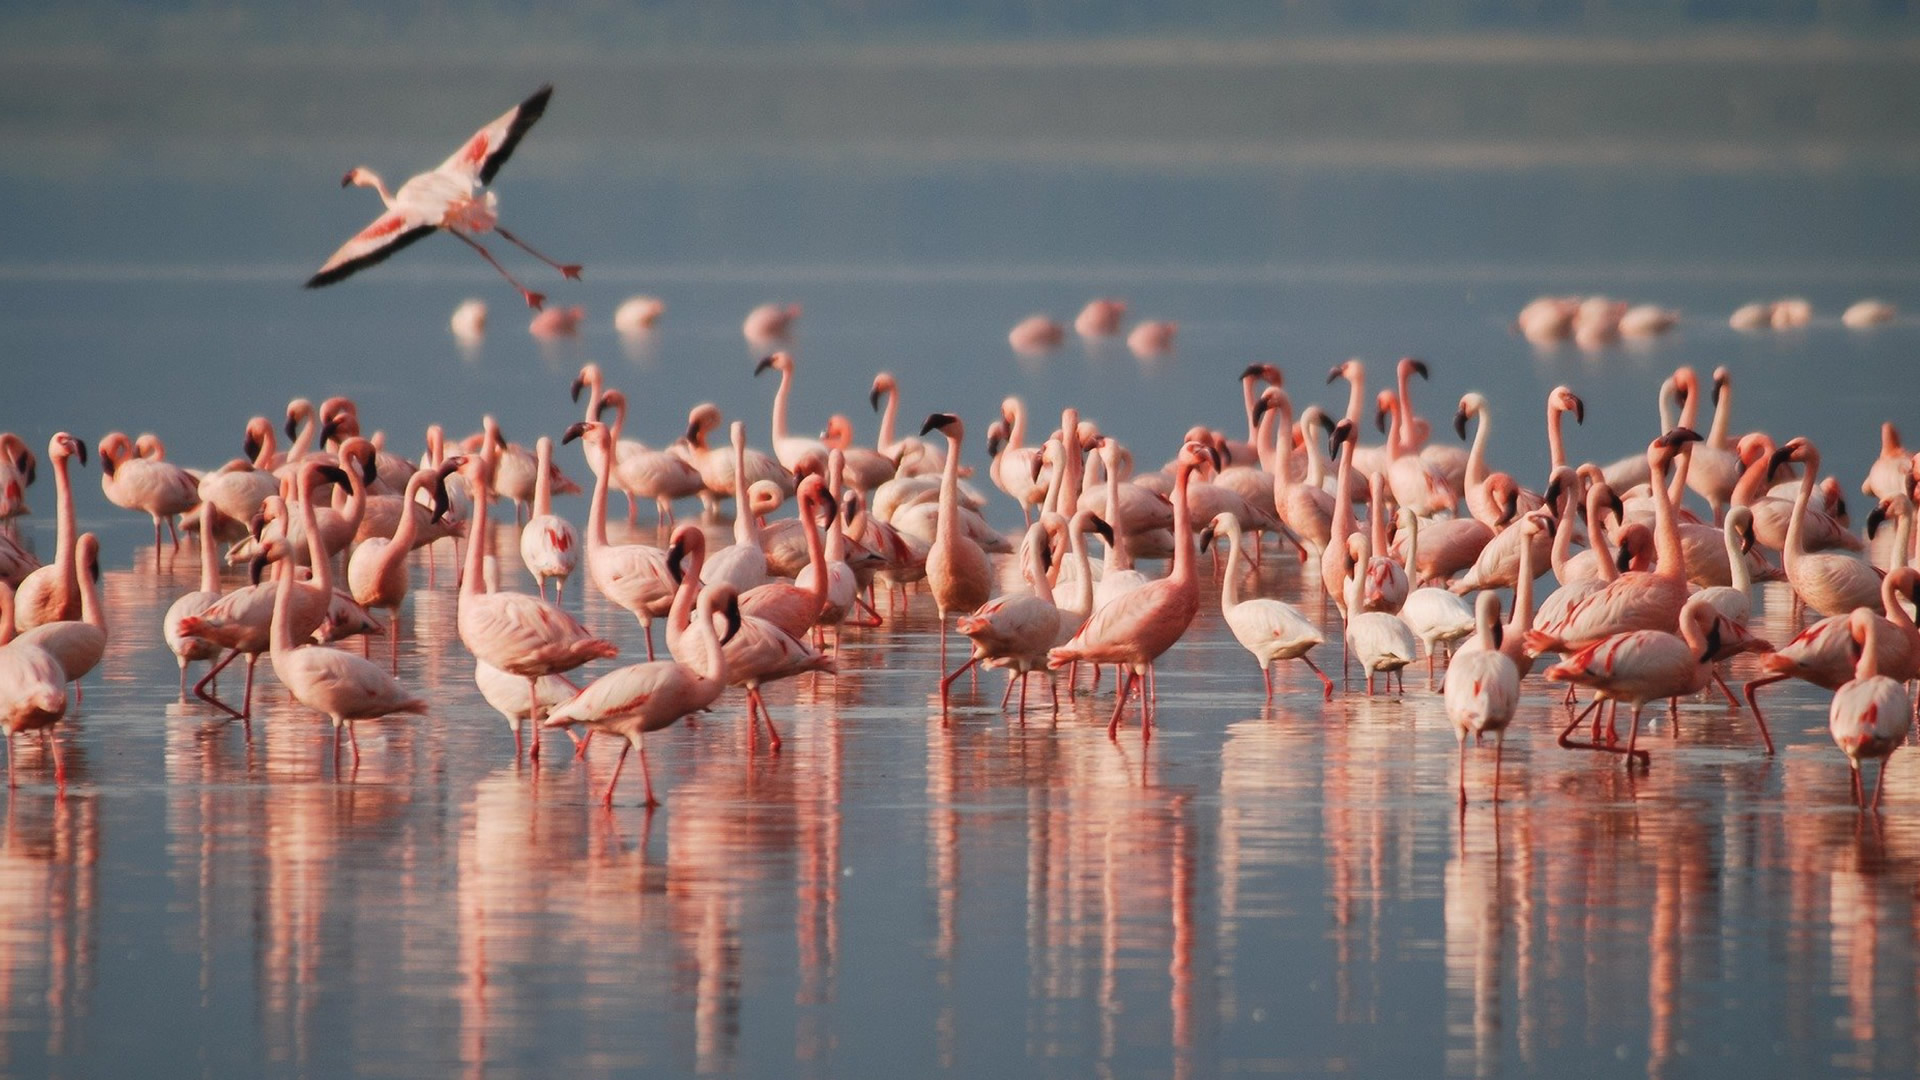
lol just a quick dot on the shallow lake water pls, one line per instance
(1282, 888)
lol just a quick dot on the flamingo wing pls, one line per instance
(389, 233)
(481, 156)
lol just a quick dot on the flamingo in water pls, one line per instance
(448, 197)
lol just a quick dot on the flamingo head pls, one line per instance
(595, 432)
(63, 446)
(589, 377)
(1266, 372)
(1413, 365)
(996, 438)
(781, 361)
(1385, 404)
(1794, 449)
(1721, 380)
(1470, 404)
(1271, 399)
(360, 176)
(1351, 370)
(1564, 400)
(839, 433)
(1342, 431)
(725, 599)
(298, 411)
(115, 448)
(945, 423)
(687, 540)
(1663, 449)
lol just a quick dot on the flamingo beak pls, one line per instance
(1747, 538)
(1579, 409)
(1713, 642)
(873, 398)
(347, 180)
(1206, 537)
(579, 384)
(1623, 560)
(107, 465)
(574, 431)
(1780, 458)
(1253, 371)
(1333, 375)
(1460, 424)
(80, 449)
(676, 552)
(333, 474)
(1875, 518)
(441, 501)
(1380, 420)
(1554, 487)
(996, 442)
(765, 363)
(733, 618)
(329, 431)
(1418, 367)
(1619, 507)
(937, 420)
(256, 567)
(29, 465)
(293, 425)
(1260, 409)
(1680, 437)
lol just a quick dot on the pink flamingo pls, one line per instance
(33, 690)
(1134, 628)
(1269, 629)
(957, 569)
(790, 449)
(788, 605)
(1152, 337)
(769, 323)
(79, 644)
(629, 702)
(519, 634)
(1871, 715)
(18, 468)
(1482, 689)
(188, 649)
(1100, 318)
(377, 573)
(1015, 630)
(1035, 334)
(447, 197)
(160, 490)
(633, 576)
(1888, 475)
(52, 592)
(1827, 582)
(638, 314)
(1822, 654)
(549, 546)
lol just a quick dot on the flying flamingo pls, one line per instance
(1134, 628)
(448, 197)
(52, 593)
(633, 700)
(548, 544)
(332, 681)
(1871, 715)
(33, 690)
(1481, 690)
(1269, 629)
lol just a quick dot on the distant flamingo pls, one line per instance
(629, 702)
(1035, 334)
(1100, 318)
(1152, 337)
(18, 468)
(448, 197)
(1482, 690)
(156, 488)
(1871, 715)
(769, 323)
(637, 314)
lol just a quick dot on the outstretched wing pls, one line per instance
(482, 155)
(389, 233)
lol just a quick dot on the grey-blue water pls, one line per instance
(1258, 890)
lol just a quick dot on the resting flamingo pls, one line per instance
(33, 690)
(1482, 689)
(1014, 630)
(157, 488)
(79, 644)
(629, 702)
(188, 649)
(519, 634)
(447, 197)
(1378, 639)
(1826, 581)
(633, 576)
(1871, 715)
(1436, 616)
(957, 569)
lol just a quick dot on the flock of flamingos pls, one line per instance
(1403, 532)
(1416, 540)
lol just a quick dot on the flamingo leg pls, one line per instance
(1879, 787)
(10, 782)
(1725, 689)
(606, 799)
(1023, 696)
(946, 685)
(1499, 747)
(1855, 794)
(773, 733)
(533, 718)
(1754, 704)
(1126, 678)
(517, 744)
(60, 765)
(200, 688)
(534, 299)
(1326, 683)
(1007, 694)
(646, 628)
(1460, 737)
(1266, 676)
(570, 271)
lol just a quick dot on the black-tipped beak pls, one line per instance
(1680, 436)
(1253, 371)
(765, 363)
(937, 420)
(29, 465)
(1619, 507)
(256, 525)
(1511, 508)
(1039, 466)
(1552, 497)
(1260, 409)
(1499, 635)
(1778, 459)
(873, 398)
(251, 447)
(106, 465)
(370, 467)
(1747, 538)
(1380, 420)
(1333, 376)
(1105, 530)
(1206, 537)
(1328, 423)
(849, 507)
(333, 474)
(579, 384)
(996, 442)
(574, 431)
(733, 618)
(293, 425)
(1875, 518)
(256, 568)
(442, 502)
(1418, 367)
(1623, 559)
(347, 179)
(1046, 558)
(1719, 381)
(80, 448)
(1713, 642)
(1460, 424)
(328, 431)
(1579, 410)
(605, 405)
(693, 433)
(1840, 508)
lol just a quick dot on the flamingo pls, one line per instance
(332, 681)
(1826, 581)
(637, 315)
(862, 469)
(1269, 629)
(79, 644)
(789, 449)
(508, 694)
(519, 634)
(160, 490)
(1101, 318)
(1381, 641)
(1871, 715)
(548, 544)
(1714, 467)
(788, 605)
(1015, 630)
(1482, 689)
(1822, 654)
(1436, 616)
(1417, 484)
(188, 649)
(916, 457)
(957, 568)
(1641, 666)
(641, 472)
(1304, 508)
(1889, 473)
(716, 466)
(633, 700)
(18, 469)
(633, 576)
(742, 564)
(1133, 629)
(1016, 466)
(52, 592)
(1152, 337)
(377, 574)
(1773, 514)
(1865, 314)
(239, 488)
(832, 576)
(33, 690)
(447, 197)
(769, 323)
(1035, 334)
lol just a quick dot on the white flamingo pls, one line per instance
(1871, 715)
(188, 649)
(548, 544)
(79, 644)
(1482, 690)
(33, 690)
(1270, 629)
(52, 592)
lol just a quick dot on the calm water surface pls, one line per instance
(1285, 889)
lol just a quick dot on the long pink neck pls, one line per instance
(542, 484)
(884, 443)
(1342, 502)
(780, 404)
(1796, 525)
(597, 506)
(1666, 529)
(1477, 453)
(67, 528)
(1247, 383)
(746, 528)
(209, 551)
(1556, 442)
(405, 533)
(1722, 415)
(1118, 557)
(1183, 572)
(1356, 394)
(688, 594)
(1403, 437)
(472, 580)
(947, 527)
(1017, 430)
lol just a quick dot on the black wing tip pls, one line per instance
(377, 255)
(529, 111)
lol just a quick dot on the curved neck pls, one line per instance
(712, 670)
(816, 552)
(1737, 559)
(1722, 415)
(1403, 413)
(1017, 430)
(303, 442)
(1183, 572)
(947, 525)
(1477, 453)
(1869, 663)
(1666, 530)
(1796, 525)
(1247, 383)
(92, 611)
(597, 505)
(1689, 403)
(1556, 441)
(1342, 503)
(1316, 461)
(263, 458)
(1118, 557)
(884, 441)
(410, 509)
(746, 527)
(1282, 463)
(1230, 580)
(1356, 397)
(209, 551)
(1263, 448)
(316, 547)
(1753, 481)
(280, 631)
(780, 404)
(1896, 611)
(1083, 586)
(687, 595)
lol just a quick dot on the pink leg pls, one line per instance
(1326, 683)
(1880, 785)
(1266, 676)
(646, 774)
(1007, 694)
(1754, 704)
(1499, 747)
(773, 733)
(534, 299)
(946, 685)
(1023, 696)
(1461, 738)
(1126, 677)
(570, 271)
(60, 764)
(606, 800)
